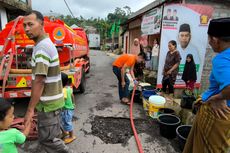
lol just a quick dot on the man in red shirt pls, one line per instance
(126, 61)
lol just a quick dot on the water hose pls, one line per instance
(139, 146)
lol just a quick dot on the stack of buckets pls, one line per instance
(152, 102)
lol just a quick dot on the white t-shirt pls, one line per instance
(155, 50)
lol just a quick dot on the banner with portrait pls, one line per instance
(151, 22)
(187, 24)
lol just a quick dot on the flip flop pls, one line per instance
(64, 135)
(69, 140)
(126, 103)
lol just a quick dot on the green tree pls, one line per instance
(104, 26)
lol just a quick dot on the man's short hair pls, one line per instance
(142, 54)
(168, 10)
(185, 28)
(38, 14)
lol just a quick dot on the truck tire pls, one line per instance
(88, 65)
(82, 85)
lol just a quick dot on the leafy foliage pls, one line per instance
(103, 26)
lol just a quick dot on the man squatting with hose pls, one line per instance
(119, 69)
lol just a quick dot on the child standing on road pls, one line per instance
(10, 136)
(68, 109)
(189, 75)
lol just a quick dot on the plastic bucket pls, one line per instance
(146, 94)
(137, 97)
(145, 104)
(150, 88)
(182, 134)
(168, 125)
(155, 103)
(187, 101)
(166, 111)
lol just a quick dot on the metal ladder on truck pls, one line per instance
(7, 56)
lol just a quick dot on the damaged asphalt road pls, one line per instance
(102, 123)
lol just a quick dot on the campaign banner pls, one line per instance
(187, 24)
(151, 22)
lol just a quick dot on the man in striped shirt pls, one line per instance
(46, 94)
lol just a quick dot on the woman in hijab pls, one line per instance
(135, 49)
(189, 74)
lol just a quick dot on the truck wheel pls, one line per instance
(88, 65)
(83, 82)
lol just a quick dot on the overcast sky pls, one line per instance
(87, 8)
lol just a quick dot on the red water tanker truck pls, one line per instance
(16, 52)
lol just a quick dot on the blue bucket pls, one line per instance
(147, 93)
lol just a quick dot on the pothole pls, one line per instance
(118, 130)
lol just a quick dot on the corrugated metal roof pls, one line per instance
(152, 5)
(146, 8)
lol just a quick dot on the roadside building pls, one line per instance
(10, 9)
(162, 20)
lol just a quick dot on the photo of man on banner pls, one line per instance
(185, 48)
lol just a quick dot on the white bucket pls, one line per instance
(155, 103)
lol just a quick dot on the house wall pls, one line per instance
(126, 42)
(134, 31)
(21, 5)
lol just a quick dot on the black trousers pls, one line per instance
(167, 83)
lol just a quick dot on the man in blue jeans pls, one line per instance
(126, 61)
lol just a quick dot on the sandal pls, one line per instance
(64, 134)
(126, 103)
(69, 140)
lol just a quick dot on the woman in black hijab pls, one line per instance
(189, 75)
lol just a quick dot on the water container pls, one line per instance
(137, 96)
(144, 88)
(146, 94)
(155, 103)
(168, 125)
(166, 111)
(182, 134)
